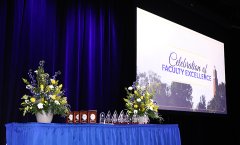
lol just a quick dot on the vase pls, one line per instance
(43, 117)
(143, 119)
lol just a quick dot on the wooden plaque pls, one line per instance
(83, 116)
(92, 116)
(69, 118)
(76, 117)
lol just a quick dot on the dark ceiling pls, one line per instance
(226, 12)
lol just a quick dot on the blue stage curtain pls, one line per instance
(88, 41)
(92, 134)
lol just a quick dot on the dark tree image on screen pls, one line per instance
(218, 103)
(181, 94)
(177, 95)
(202, 106)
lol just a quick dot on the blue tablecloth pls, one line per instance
(91, 134)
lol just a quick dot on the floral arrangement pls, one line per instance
(139, 101)
(46, 93)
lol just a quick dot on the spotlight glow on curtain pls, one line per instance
(78, 38)
(90, 54)
(88, 41)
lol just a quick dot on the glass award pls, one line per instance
(146, 119)
(108, 118)
(121, 117)
(115, 117)
(102, 118)
(127, 118)
(135, 118)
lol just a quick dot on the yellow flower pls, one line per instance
(142, 109)
(57, 90)
(142, 105)
(33, 99)
(26, 108)
(58, 97)
(53, 97)
(141, 97)
(53, 81)
(63, 101)
(41, 87)
(151, 103)
(60, 86)
(155, 108)
(25, 97)
(135, 92)
(136, 106)
(147, 94)
(47, 89)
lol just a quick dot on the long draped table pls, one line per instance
(91, 134)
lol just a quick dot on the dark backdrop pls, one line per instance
(93, 44)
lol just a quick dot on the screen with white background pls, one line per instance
(185, 67)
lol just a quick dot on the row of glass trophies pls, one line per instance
(122, 118)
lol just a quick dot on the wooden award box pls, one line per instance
(83, 116)
(76, 117)
(92, 116)
(69, 118)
